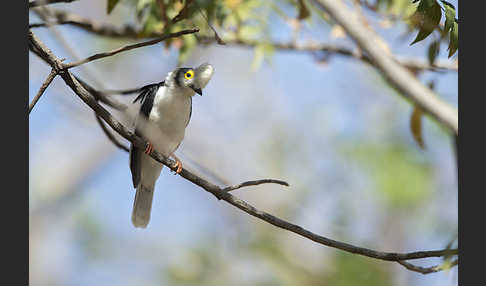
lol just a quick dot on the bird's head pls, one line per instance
(194, 78)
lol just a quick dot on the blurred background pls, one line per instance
(327, 124)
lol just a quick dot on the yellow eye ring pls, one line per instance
(189, 74)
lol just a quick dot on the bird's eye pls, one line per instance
(189, 74)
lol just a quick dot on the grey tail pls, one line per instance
(142, 206)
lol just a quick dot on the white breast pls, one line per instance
(169, 114)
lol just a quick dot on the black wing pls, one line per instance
(146, 96)
(135, 168)
(190, 113)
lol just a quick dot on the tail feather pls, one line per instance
(142, 206)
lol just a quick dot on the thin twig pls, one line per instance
(129, 47)
(183, 13)
(46, 83)
(427, 270)
(216, 36)
(254, 183)
(46, 55)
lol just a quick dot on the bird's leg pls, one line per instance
(149, 148)
(178, 164)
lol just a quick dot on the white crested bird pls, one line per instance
(165, 111)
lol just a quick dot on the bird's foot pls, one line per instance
(178, 165)
(149, 148)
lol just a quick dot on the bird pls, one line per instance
(165, 111)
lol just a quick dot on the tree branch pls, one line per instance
(129, 47)
(66, 18)
(37, 3)
(218, 192)
(62, 17)
(411, 63)
(401, 78)
(46, 83)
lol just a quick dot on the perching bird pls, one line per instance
(164, 114)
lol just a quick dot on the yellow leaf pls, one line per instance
(416, 126)
(232, 4)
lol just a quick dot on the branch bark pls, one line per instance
(41, 50)
(401, 78)
(37, 3)
(254, 183)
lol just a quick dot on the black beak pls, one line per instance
(197, 90)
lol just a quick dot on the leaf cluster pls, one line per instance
(427, 19)
(236, 19)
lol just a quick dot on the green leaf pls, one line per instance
(429, 3)
(140, 8)
(454, 40)
(262, 51)
(303, 11)
(450, 16)
(446, 265)
(433, 51)
(248, 32)
(446, 3)
(152, 24)
(428, 15)
(111, 5)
